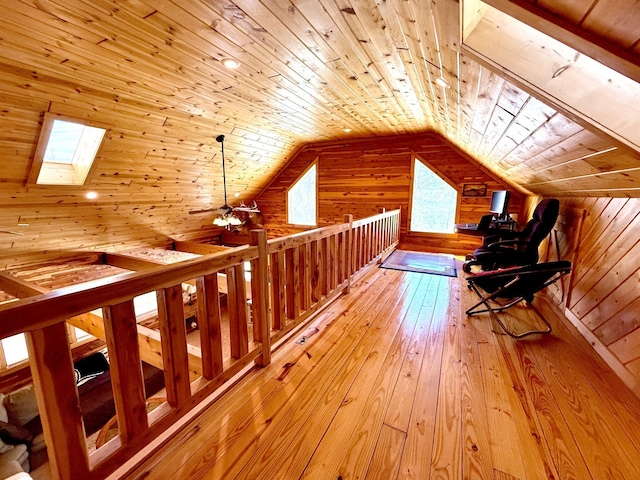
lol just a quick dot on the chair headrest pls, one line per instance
(547, 210)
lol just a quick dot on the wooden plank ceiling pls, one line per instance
(310, 70)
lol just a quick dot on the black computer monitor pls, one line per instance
(500, 203)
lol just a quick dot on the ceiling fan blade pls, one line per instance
(206, 210)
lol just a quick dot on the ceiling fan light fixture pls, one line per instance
(220, 221)
(234, 221)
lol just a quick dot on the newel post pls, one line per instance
(58, 403)
(348, 218)
(260, 295)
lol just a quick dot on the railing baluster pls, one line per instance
(304, 275)
(347, 251)
(293, 283)
(209, 325)
(277, 290)
(325, 266)
(333, 261)
(237, 308)
(315, 271)
(173, 337)
(126, 370)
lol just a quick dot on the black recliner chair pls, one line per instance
(521, 248)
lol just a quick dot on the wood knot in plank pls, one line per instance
(285, 370)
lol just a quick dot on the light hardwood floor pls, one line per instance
(394, 381)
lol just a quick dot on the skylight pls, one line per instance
(66, 151)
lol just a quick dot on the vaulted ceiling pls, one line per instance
(309, 70)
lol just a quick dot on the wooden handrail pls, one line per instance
(376, 218)
(292, 278)
(56, 306)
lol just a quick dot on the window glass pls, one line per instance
(301, 199)
(434, 201)
(15, 349)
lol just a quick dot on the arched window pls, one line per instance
(302, 205)
(434, 201)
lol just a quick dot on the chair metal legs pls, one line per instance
(492, 311)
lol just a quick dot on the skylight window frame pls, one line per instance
(69, 174)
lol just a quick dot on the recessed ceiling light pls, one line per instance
(442, 82)
(91, 195)
(230, 63)
(346, 130)
(237, 194)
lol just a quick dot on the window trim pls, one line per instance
(298, 178)
(43, 139)
(417, 158)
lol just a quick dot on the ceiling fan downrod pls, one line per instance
(220, 140)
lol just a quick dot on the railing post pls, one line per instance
(348, 218)
(58, 403)
(260, 296)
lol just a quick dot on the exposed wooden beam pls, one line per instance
(198, 248)
(582, 40)
(20, 288)
(127, 262)
(560, 76)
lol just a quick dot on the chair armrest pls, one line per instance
(497, 237)
(507, 243)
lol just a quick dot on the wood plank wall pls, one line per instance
(361, 177)
(602, 297)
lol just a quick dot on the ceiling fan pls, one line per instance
(225, 214)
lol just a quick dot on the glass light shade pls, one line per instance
(235, 221)
(221, 222)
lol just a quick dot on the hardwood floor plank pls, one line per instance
(416, 457)
(386, 457)
(446, 454)
(623, 404)
(207, 434)
(564, 451)
(606, 449)
(404, 391)
(358, 446)
(513, 450)
(312, 406)
(476, 450)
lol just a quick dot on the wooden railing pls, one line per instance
(291, 278)
(372, 237)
